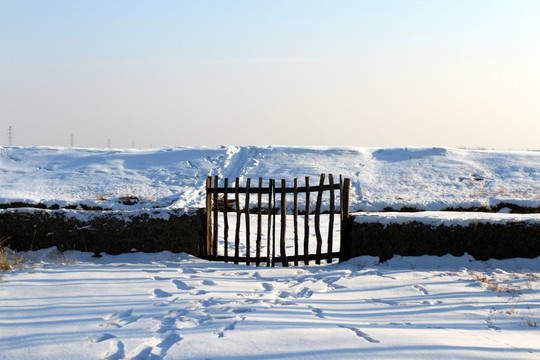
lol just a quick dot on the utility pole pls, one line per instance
(10, 136)
(71, 141)
(109, 143)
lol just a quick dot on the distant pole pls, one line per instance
(10, 136)
(109, 143)
(71, 142)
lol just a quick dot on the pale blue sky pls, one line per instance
(364, 73)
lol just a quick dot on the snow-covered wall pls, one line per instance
(103, 231)
(483, 236)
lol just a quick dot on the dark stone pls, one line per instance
(481, 240)
(107, 231)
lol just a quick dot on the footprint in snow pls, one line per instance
(285, 295)
(151, 271)
(165, 302)
(256, 275)
(381, 274)
(158, 293)
(155, 348)
(422, 289)
(360, 333)
(304, 293)
(267, 286)
(100, 337)
(198, 292)
(431, 302)
(120, 319)
(242, 273)
(393, 324)
(180, 285)
(115, 352)
(242, 310)
(491, 317)
(163, 325)
(186, 271)
(385, 302)
(317, 312)
(228, 327)
(159, 278)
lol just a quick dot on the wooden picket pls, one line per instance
(217, 200)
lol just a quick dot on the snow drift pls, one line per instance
(420, 178)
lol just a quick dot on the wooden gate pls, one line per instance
(224, 201)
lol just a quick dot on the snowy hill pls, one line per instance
(421, 178)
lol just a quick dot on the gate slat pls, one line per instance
(295, 211)
(246, 209)
(259, 223)
(238, 220)
(274, 224)
(208, 241)
(331, 219)
(215, 205)
(283, 223)
(225, 221)
(306, 225)
(318, 220)
(341, 229)
(345, 243)
(269, 223)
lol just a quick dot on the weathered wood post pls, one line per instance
(226, 220)
(259, 223)
(318, 220)
(295, 214)
(270, 211)
(306, 225)
(331, 219)
(216, 209)
(207, 243)
(246, 210)
(238, 220)
(283, 222)
(345, 241)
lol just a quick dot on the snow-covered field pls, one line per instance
(174, 306)
(423, 178)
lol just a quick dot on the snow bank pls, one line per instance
(421, 178)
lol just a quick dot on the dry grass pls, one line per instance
(527, 283)
(494, 286)
(9, 259)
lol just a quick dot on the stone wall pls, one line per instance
(112, 232)
(481, 240)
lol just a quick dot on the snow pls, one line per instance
(446, 218)
(422, 178)
(87, 216)
(172, 306)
